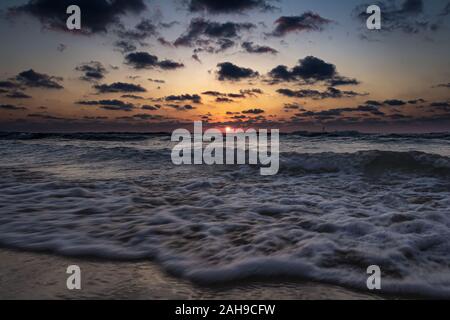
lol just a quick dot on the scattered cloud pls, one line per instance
(194, 98)
(394, 103)
(224, 100)
(33, 79)
(112, 105)
(144, 60)
(253, 111)
(243, 93)
(250, 47)
(309, 70)
(98, 15)
(18, 95)
(332, 113)
(443, 85)
(210, 36)
(307, 22)
(157, 81)
(11, 107)
(293, 107)
(186, 107)
(220, 6)
(92, 71)
(9, 85)
(143, 117)
(231, 72)
(151, 108)
(330, 93)
(118, 87)
(132, 96)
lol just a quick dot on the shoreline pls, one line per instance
(35, 276)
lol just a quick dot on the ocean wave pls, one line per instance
(370, 162)
(325, 217)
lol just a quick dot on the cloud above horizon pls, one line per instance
(98, 15)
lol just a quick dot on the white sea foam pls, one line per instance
(325, 217)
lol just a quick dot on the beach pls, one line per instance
(36, 276)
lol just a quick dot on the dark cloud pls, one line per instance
(243, 93)
(308, 21)
(441, 106)
(293, 106)
(144, 60)
(95, 118)
(132, 96)
(231, 72)
(47, 117)
(229, 6)
(239, 117)
(443, 85)
(164, 42)
(214, 93)
(224, 100)
(33, 79)
(253, 111)
(309, 70)
(412, 6)
(9, 85)
(330, 93)
(97, 15)
(151, 108)
(185, 107)
(157, 81)
(196, 58)
(92, 71)
(170, 65)
(250, 47)
(394, 103)
(343, 81)
(251, 92)
(113, 105)
(374, 103)
(18, 95)
(11, 107)
(210, 36)
(119, 87)
(416, 101)
(143, 117)
(331, 113)
(195, 98)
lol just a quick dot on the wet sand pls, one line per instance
(25, 275)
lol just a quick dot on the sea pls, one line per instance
(341, 202)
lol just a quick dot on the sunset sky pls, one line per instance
(148, 65)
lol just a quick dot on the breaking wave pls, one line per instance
(325, 217)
